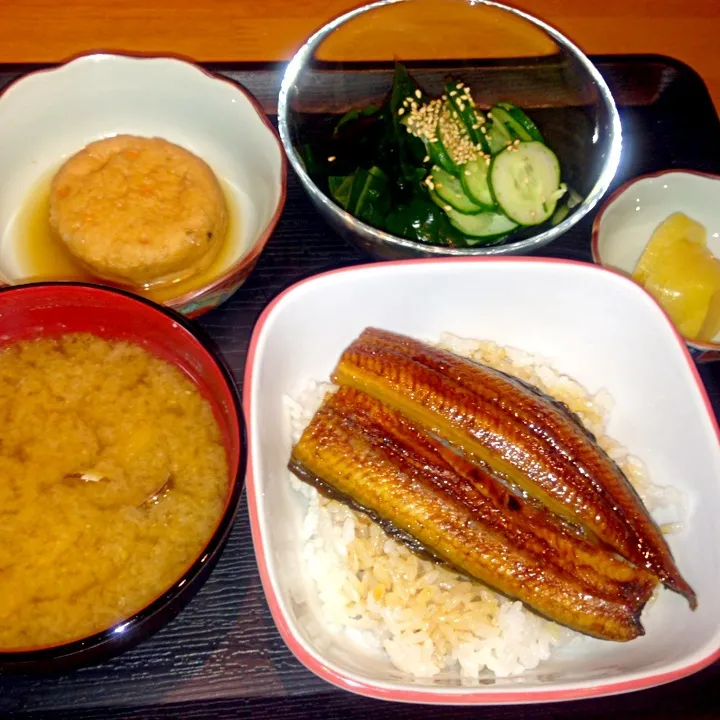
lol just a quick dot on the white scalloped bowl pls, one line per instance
(624, 224)
(588, 324)
(48, 115)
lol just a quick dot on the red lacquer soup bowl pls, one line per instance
(54, 309)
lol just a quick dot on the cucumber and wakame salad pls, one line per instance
(440, 170)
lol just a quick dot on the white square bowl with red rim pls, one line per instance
(598, 328)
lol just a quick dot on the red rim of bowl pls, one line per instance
(343, 680)
(613, 197)
(249, 258)
(45, 656)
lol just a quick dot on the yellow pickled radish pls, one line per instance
(711, 327)
(685, 279)
(677, 226)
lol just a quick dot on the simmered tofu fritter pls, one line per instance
(138, 211)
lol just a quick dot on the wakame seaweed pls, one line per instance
(373, 168)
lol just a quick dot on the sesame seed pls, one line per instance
(487, 160)
(426, 158)
(467, 172)
(418, 93)
(516, 142)
(447, 207)
(475, 126)
(489, 114)
(401, 111)
(437, 119)
(483, 130)
(460, 85)
(533, 213)
(331, 158)
(453, 93)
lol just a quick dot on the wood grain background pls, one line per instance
(240, 30)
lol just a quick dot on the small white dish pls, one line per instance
(49, 115)
(624, 224)
(587, 321)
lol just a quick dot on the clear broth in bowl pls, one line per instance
(42, 255)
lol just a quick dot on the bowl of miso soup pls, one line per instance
(121, 468)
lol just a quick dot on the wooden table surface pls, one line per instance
(239, 30)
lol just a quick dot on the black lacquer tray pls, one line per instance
(222, 657)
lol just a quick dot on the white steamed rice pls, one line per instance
(427, 618)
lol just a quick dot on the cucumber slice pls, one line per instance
(561, 212)
(484, 139)
(564, 206)
(498, 137)
(573, 199)
(437, 199)
(439, 156)
(512, 126)
(525, 181)
(462, 110)
(486, 225)
(450, 190)
(467, 115)
(474, 179)
(521, 119)
(443, 145)
(452, 118)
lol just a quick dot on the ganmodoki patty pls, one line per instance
(138, 211)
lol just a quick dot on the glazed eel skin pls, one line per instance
(377, 460)
(531, 440)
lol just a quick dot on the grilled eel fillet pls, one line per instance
(422, 491)
(527, 437)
